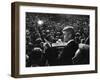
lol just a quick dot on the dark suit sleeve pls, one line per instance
(68, 53)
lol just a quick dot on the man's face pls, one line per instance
(66, 36)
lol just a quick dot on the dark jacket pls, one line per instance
(52, 56)
(68, 53)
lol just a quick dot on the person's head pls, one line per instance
(68, 33)
(38, 40)
(77, 35)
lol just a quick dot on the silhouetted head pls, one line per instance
(68, 33)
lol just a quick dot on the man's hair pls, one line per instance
(70, 30)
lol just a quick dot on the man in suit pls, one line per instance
(70, 48)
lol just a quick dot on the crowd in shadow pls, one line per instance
(43, 53)
(40, 37)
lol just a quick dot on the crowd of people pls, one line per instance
(42, 33)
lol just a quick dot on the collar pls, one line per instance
(69, 41)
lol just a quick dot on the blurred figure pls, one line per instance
(51, 56)
(36, 57)
(82, 54)
(70, 48)
(77, 37)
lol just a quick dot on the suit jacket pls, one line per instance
(68, 53)
(51, 56)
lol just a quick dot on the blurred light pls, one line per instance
(40, 22)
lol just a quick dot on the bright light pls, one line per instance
(40, 22)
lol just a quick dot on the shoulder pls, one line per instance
(71, 43)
